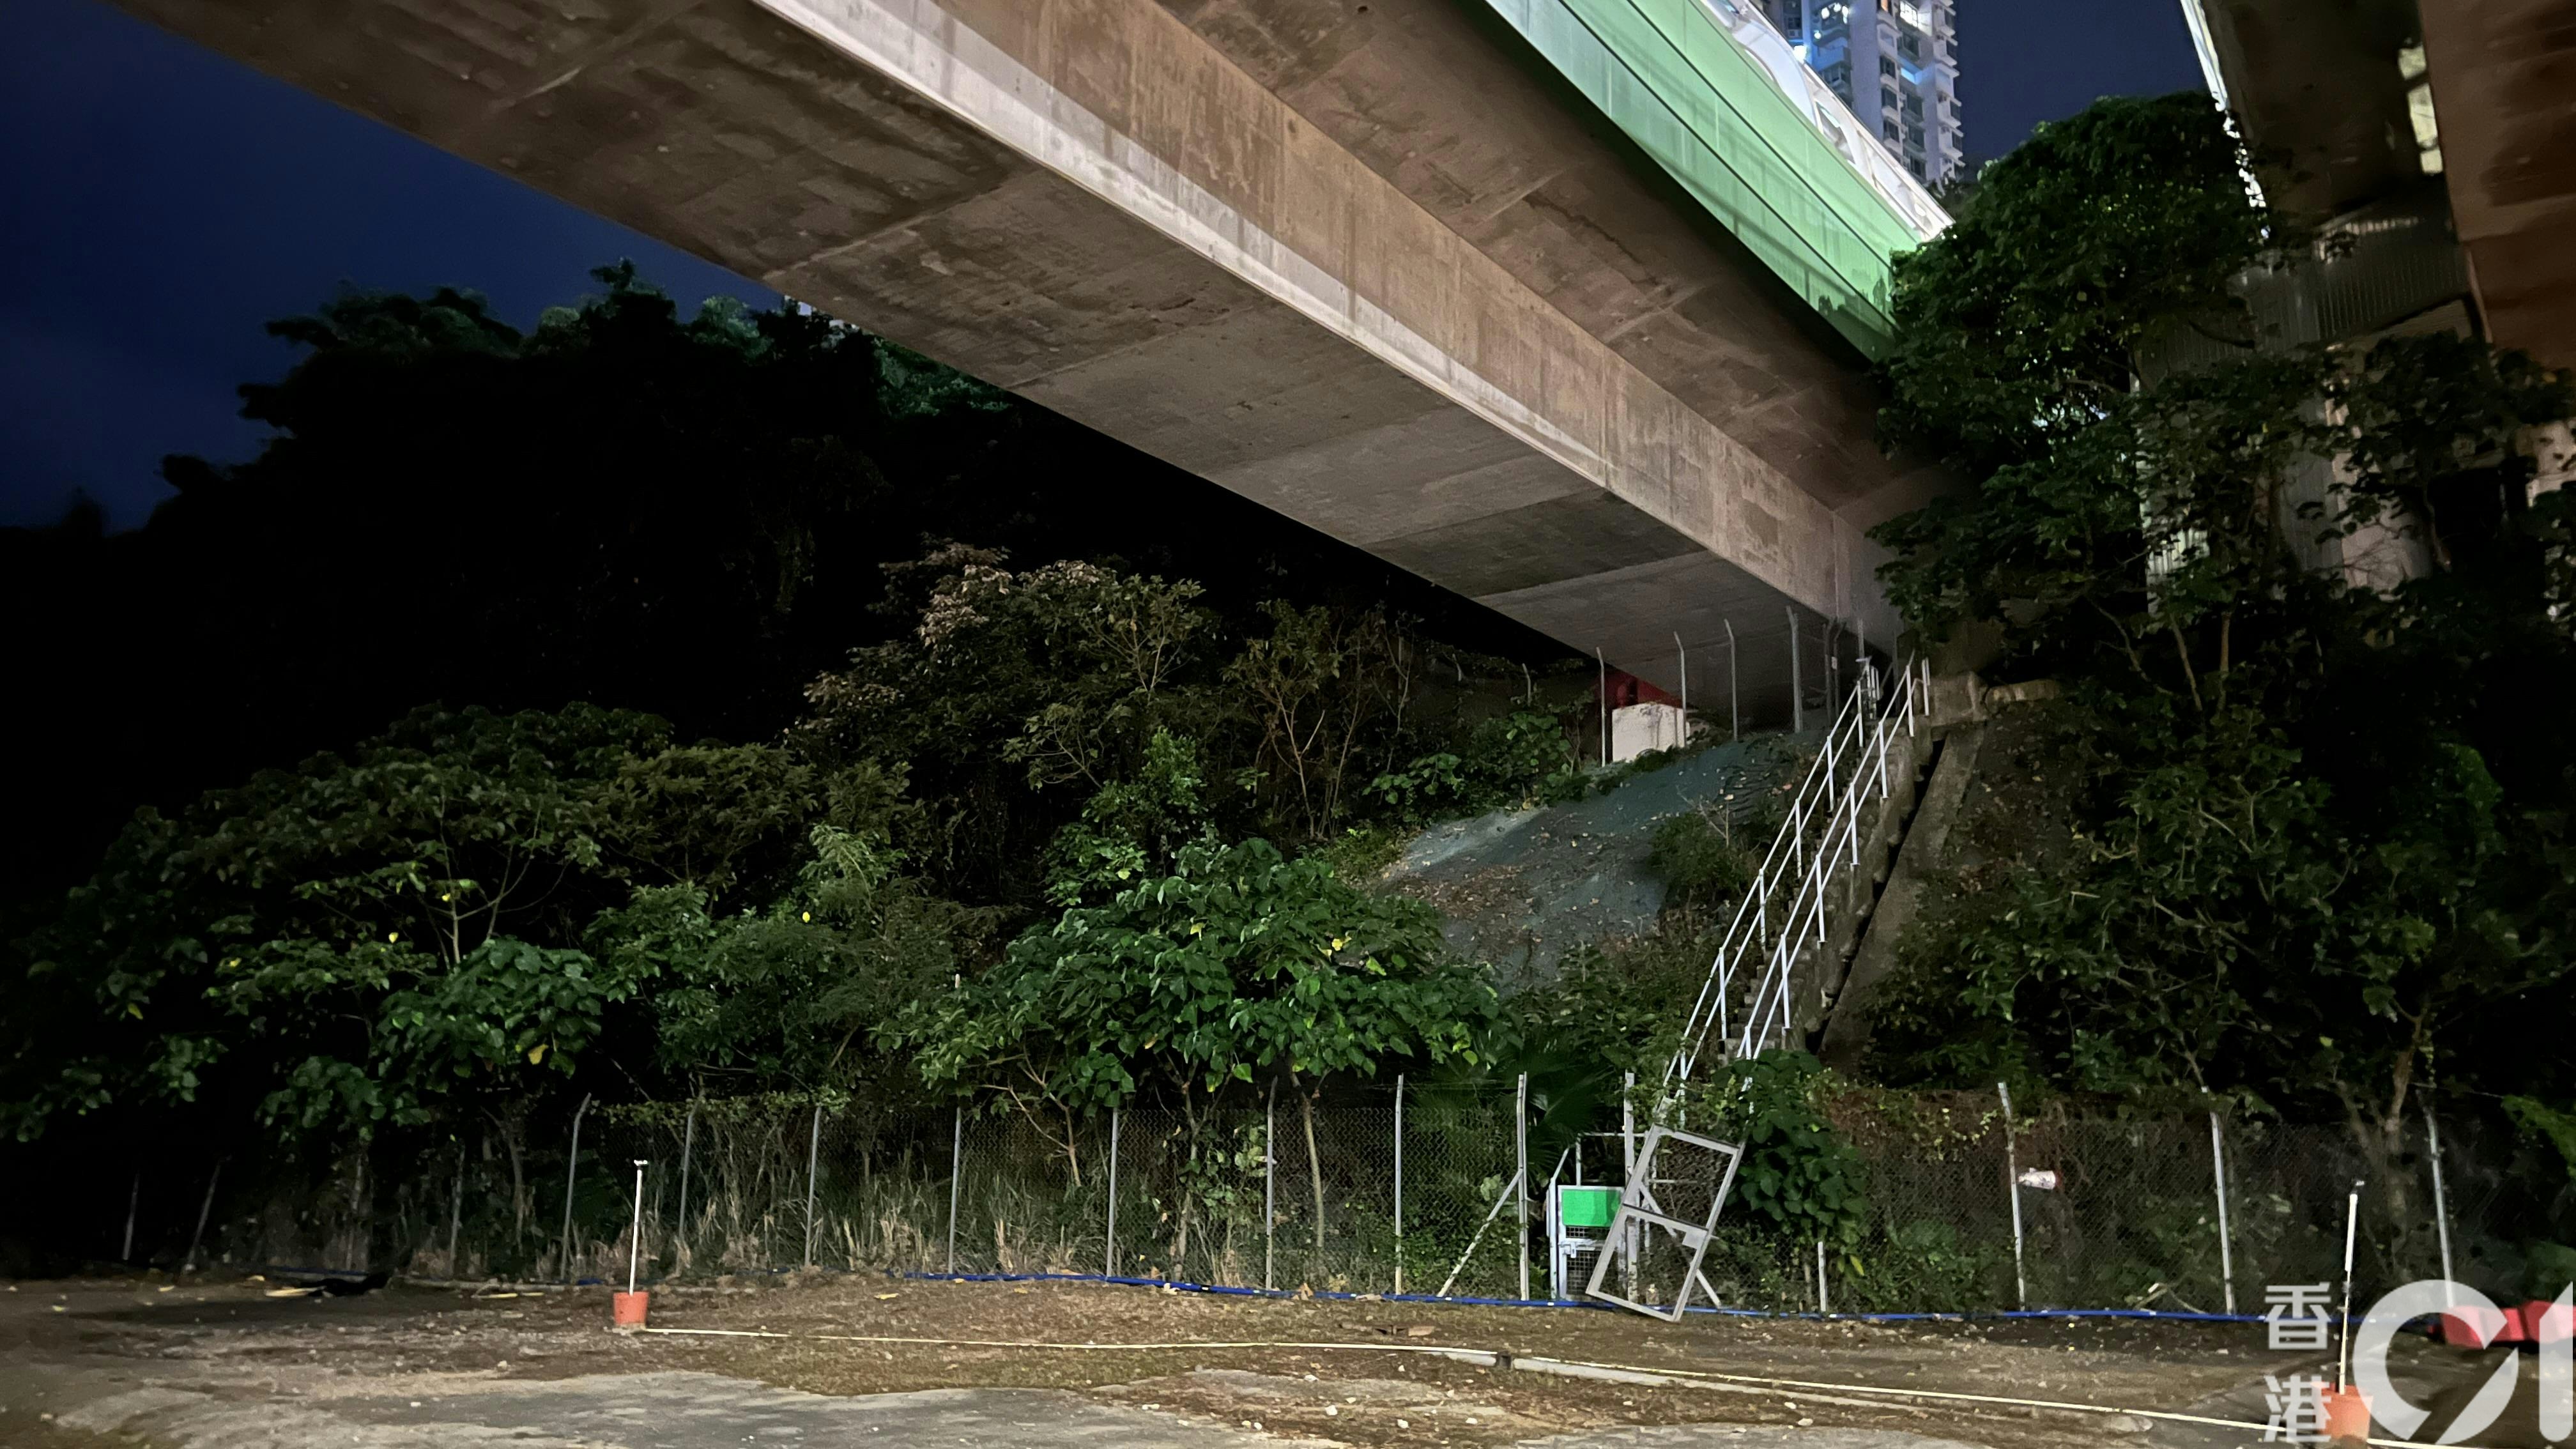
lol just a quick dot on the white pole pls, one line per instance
(572, 1173)
(1605, 710)
(2012, 1184)
(1628, 1173)
(1399, 1182)
(2226, 1250)
(635, 1235)
(1797, 689)
(688, 1140)
(813, 1162)
(1270, 1185)
(1684, 655)
(1520, 1177)
(956, 1173)
(2441, 1203)
(1109, 1259)
(2343, 1348)
(206, 1209)
(1734, 705)
(1824, 1303)
(1502, 1200)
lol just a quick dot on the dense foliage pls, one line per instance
(1050, 828)
(627, 503)
(2321, 838)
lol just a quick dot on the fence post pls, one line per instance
(635, 1234)
(1628, 1127)
(1734, 704)
(2012, 1185)
(2441, 1203)
(133, 1201)
(688, 1140)
(1824, 1304)
(456, 1211)
(2226, 1250)
(1269, 1185)
(206, 1209)
(1605, 718)
(1797, 688)
(1109, 1261)
(1399, 1182)
(1520, 1179)
(813, 1164)
(572, 1172)
(956, 1174)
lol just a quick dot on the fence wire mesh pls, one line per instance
(1330, 1195)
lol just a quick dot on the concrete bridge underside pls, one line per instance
(1363, 262)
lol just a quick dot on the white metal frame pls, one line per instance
(1639, 1213)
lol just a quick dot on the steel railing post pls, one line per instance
(1399, 1182)
(2012, 1185)
(2226, 1250)
(1520, 1179)
(956, 1174)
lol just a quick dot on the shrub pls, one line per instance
(1699, 860)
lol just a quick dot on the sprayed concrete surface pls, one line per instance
(1519, 888)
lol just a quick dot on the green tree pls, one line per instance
(1009, 686)
(2321, 846)
(792, 994)
(367, 941)
(1240, 965)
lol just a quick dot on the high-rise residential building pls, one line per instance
(1895, 63)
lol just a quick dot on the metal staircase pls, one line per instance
(1798, 922)
(1816, 877)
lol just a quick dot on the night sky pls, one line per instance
(161, 203)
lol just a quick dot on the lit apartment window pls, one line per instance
(2419, 108)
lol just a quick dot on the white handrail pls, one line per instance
(1797, 873)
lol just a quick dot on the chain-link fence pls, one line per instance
(1964, 1209)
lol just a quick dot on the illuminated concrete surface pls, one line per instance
(1375, 266)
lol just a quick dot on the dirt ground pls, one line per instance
(139, 1361)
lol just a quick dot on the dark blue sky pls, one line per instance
(158, 203)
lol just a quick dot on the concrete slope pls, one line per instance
(1094, 204)
(1520, 888)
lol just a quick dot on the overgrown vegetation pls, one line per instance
(1035, 820)
(1054, 836)
(2321, 853)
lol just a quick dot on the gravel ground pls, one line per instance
(218, 1365)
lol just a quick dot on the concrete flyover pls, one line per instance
(1377, 264)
